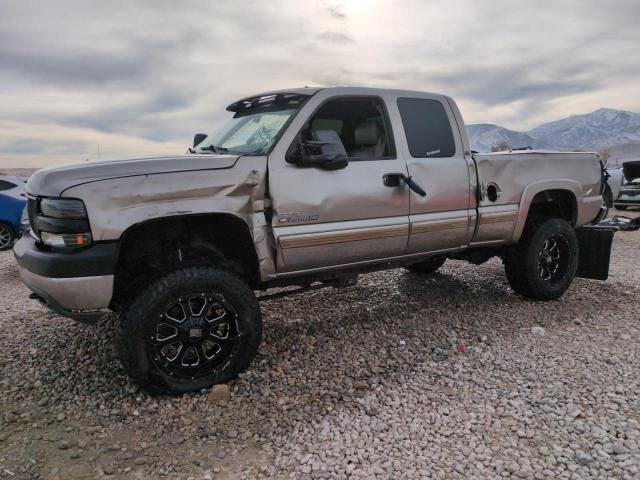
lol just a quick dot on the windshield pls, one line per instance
(251, 132)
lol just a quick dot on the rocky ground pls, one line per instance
(401, 376)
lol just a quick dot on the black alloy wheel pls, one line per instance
(543, 264)
(189, 329)
(553, 259)
(194, 335)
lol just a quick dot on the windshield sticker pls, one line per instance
(433, 152)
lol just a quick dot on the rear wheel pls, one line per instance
(427, 266)
(7, 237)
(190, 329)
(544, 263)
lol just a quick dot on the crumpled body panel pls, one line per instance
(116, 204)
(53, 181)
(519, 176)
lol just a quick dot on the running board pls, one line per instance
(341, 282)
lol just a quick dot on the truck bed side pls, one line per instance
(510, 181)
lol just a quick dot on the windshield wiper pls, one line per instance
(214, 149)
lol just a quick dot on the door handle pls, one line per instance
(394, 179)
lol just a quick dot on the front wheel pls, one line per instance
(188, 330)
(7, 237)
(543, 264)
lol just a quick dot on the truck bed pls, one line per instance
(518, 176)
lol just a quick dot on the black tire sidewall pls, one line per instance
(535, 286)
(514, 270)
(138, 324)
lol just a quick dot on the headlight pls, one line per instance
(65, 239)
(63, 208)
(61, 223)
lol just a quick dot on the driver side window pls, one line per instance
(361, 124)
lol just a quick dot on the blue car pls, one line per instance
(12, 203)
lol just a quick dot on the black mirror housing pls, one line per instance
(316, 154)
(332, 162)
(198, 138)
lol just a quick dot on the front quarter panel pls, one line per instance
(115, 205)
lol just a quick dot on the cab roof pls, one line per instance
(271, 96)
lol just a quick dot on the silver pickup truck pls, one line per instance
(300, 188)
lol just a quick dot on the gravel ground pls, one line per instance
(452, 376)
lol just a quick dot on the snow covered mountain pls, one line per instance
(603, 128)
(484, 136)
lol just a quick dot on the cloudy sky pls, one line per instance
(113, 78)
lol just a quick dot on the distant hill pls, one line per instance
(605, 128)
(18, 172)
(486, 135)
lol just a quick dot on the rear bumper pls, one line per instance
(77, 285)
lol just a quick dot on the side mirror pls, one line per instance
(198, 138)
(305, 156)
(329, 161)
(337, 163)
(326, 152)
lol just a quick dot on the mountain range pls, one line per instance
(615, 130)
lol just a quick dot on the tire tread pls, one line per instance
(129, 326)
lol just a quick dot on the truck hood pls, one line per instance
(53, 181)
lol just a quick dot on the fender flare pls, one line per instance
(531, 190)
(236, 219)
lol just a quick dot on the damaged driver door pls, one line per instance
(325, 218)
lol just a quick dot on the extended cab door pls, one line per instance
(432, 147)
(324, 218)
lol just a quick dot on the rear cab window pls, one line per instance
(427, 128)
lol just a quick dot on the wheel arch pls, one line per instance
(154, 246)
(555, 198)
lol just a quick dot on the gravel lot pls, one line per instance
(399, 377)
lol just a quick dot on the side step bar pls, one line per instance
(341, 282)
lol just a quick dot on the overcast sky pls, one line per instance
(116, 78)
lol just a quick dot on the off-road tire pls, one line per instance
(136, 326)
(8, 236)
(513, 270)
(525, 263)
(427, 267)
